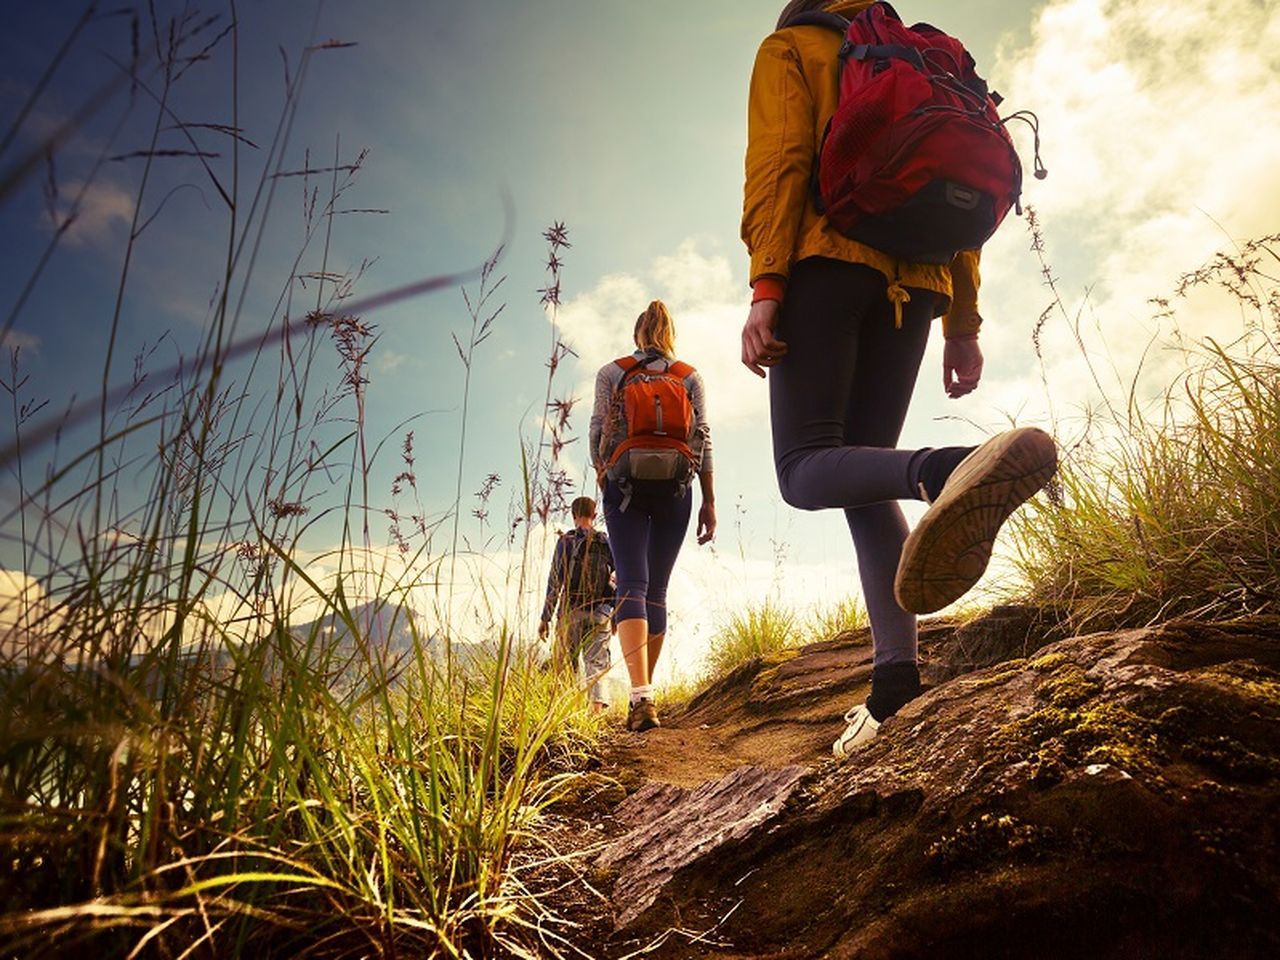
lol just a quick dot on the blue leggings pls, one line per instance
(837, 404)
(645, 538)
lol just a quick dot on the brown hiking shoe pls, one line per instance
(641, 716)
(950, 547)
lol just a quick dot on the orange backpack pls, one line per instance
(650, 423)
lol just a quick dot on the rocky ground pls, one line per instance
(1113, 795)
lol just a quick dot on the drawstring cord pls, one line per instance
(898, 296)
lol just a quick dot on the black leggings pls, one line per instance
(837, 404)
(646, 539)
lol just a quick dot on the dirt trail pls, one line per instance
(692, 747)
(786, 712)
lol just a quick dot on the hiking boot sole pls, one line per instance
(949, 549)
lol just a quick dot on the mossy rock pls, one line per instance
(1249, 679)
(989, 838)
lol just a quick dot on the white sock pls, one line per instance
(642, 693)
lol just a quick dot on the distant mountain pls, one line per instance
(384, 633)
(380, 645)
(381, 628)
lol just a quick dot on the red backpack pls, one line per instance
(916, 161)
(650, 424)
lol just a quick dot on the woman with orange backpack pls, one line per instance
(649, 438)
(840, 314)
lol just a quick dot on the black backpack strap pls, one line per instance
(884, 51)
(833, 21)
(820, 18)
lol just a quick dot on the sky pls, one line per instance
(625, 122)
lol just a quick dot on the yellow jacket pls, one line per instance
(793, 94)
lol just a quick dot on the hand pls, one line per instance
(542, 630)
(961, 365)
(759, 346)
(707, 521)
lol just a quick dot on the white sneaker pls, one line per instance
(862, 727)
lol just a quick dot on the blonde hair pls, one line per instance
(655, 329)
(796, 7)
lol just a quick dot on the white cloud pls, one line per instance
(690, 279)
(1149, 110)
(597, 324)
(20, 340)
(26, 618)
(709, 306)
(1156, 127)
(18, 591)
(103, 213)
(388, 361)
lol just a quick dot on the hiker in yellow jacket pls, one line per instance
(841, 328)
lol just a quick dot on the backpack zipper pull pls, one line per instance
(658, 404)
(1032, 121)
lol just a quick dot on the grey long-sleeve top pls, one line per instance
(607, 380)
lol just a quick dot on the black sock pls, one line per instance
(892, 685)
(937, 467)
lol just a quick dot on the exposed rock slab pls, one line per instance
(1114, 795)
(674, 827)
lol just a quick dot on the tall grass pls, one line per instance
(756, 630)
(289, 803)
(1174, 511)
(768, 628)
(186, 768)
(836, 616)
